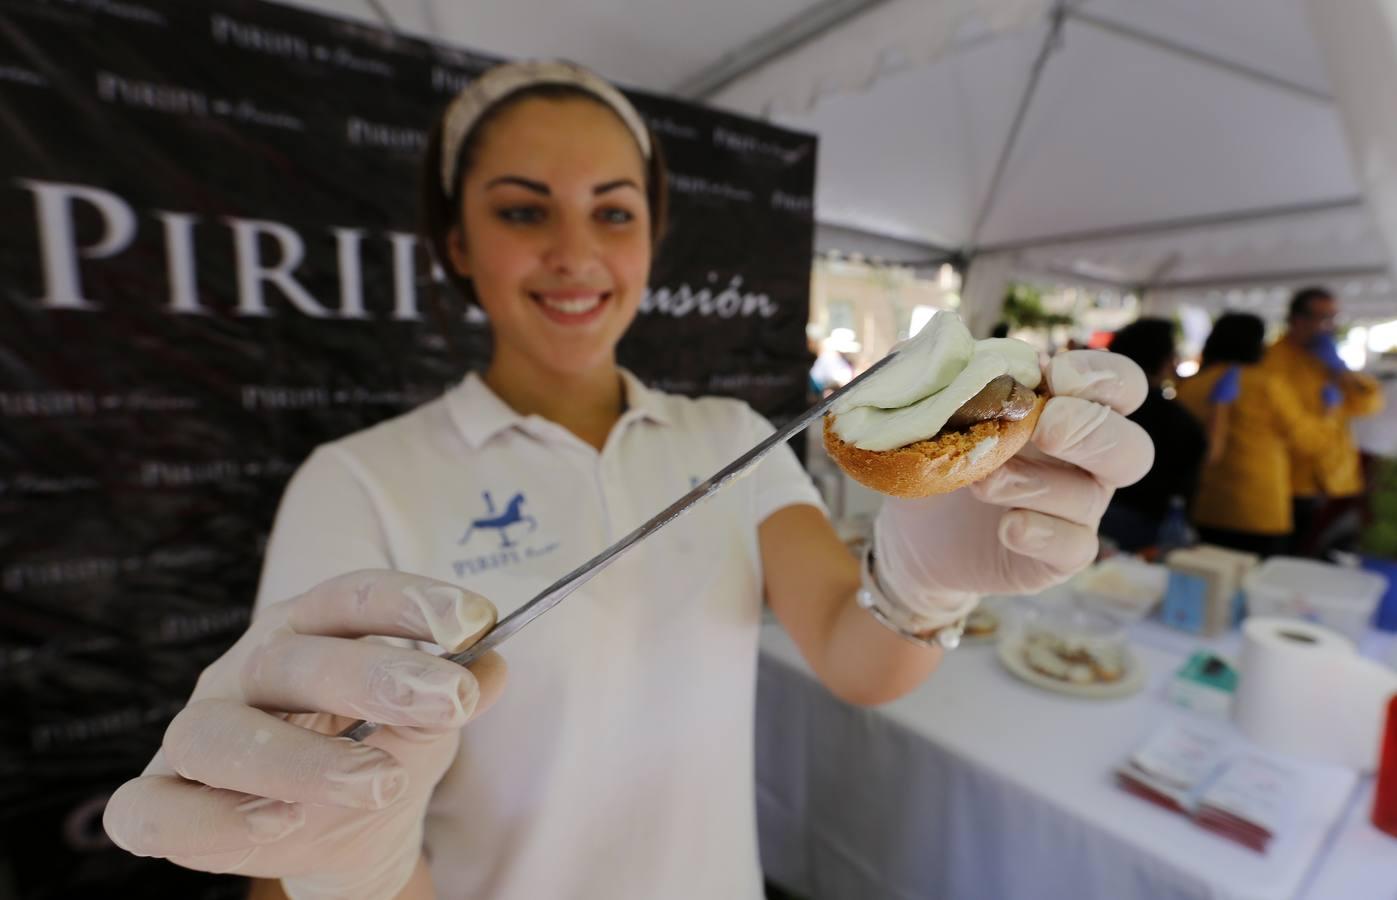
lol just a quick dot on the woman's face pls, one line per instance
(556, 235)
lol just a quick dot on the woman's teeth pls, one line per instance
(573, 306)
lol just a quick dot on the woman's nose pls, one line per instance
(572, 248)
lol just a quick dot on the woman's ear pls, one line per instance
(456, 250)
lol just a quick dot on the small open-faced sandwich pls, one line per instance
(945, 413)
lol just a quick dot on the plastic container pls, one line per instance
(1386, 619)
(1333, 596)
(1125, 587)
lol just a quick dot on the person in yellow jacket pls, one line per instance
(1307, 361)
(1255, 428)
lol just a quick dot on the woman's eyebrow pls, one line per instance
(613, 185)
(537, 187)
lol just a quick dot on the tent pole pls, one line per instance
(1050, 41)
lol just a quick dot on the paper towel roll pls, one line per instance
(1304, 690)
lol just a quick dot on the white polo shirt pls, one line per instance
(619, 761)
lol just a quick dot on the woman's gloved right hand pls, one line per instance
(250, 778)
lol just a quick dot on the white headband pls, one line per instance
(499, 82)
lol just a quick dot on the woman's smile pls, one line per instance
(571, 306)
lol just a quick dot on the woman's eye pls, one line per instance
(521, 215)
(614, 215)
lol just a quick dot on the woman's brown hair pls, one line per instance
(440, 213)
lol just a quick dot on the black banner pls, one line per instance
(209, 267)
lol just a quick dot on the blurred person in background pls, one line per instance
(1306, 360)
(833, 367)
(1136, 512)
(1256, 428)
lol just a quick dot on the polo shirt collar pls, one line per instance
(479, 413)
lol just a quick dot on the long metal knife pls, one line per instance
(554, 593)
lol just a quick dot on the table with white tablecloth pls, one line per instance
(978, 785)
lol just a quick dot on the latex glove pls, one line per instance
(1331, 395)
(1227, 388)
(1032, 522)
(238, 788)
(1326, 349)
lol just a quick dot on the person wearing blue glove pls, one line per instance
(1326, 349)
(1221, 398)
(1227, 388)
(1255, 427)
(1307, 361)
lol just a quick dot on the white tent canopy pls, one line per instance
(1193, 149)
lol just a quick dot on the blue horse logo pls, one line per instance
(513, 515)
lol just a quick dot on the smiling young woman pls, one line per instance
(554, 210)
(619, 762)
(554, 234)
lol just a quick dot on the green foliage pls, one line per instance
(1380, 538)
(1023, 308)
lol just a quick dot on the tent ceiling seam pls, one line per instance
(790, 35)
(1169, 46)
(1141, 229)
(429, 16)
(1080, 277)
(382, 14)
(1257, 278)
(1050, 42)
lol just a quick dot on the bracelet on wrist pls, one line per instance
(895, 616)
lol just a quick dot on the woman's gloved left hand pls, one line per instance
(1032, 523)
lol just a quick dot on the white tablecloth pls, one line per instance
(978, 785)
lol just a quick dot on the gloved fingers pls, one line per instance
(1057, 490)
(224, 744)
(360, 679)
(381, 602)
(1106, 378)
(490, 673)
(165, 816)
(1115, 450)
(1062, 546)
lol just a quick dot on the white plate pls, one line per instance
(1011, 654)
